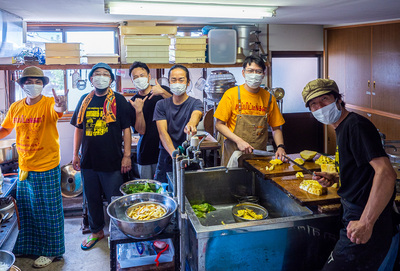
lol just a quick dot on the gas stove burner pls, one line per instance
(9, 167)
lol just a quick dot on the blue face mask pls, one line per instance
(328, 114)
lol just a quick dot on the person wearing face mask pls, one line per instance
(144, 103)
(244, 113)
(102, 122)
(175, 117)
(366, 179)
(39, 199)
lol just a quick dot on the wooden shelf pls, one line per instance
(14, 67)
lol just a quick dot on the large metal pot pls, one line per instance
(141, 229)
(7, 149)
(7, 258)
(218, 82)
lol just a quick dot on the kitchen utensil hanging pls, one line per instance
(81, 84)
(75, 78)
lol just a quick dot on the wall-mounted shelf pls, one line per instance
(13, 67)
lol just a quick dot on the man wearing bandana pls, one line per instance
(102, 122)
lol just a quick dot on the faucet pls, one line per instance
(390, 146)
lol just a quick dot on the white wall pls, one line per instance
(295, 37)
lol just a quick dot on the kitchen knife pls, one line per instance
(263, 153)
(300, 166)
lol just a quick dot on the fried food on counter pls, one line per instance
(299, 174)
(299, 161)
(313, 187)
(324, 160)
(270, 168)
(275, 162)
(248, 214)
(330, 168)
(308, 155)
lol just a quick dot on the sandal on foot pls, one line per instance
(90, 239)
(43, 261)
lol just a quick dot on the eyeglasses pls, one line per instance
(254, 71)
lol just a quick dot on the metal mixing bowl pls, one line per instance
(141, 229)
(258, 209)
(7, 258)
(154, 183)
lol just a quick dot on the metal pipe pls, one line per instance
(175, 153)
(183, 216)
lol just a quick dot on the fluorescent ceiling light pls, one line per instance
(185, 9)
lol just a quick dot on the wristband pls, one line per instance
(281, 146)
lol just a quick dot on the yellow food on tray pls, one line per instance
(308, 155)
(299, 175)
(313, 187)
(299, 161)
(330, 168)
(275, 162)
(270, 168)
(324, 160)
(248, 214)
(147, 211)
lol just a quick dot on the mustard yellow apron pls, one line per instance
(251, 128)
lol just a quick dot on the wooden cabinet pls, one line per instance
(365, 63)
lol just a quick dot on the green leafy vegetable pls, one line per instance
(141, 187)
(201, 209)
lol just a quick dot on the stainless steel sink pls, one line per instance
(293, 237)
(222, 188)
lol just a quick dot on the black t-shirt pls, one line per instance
(101, 142)
(147, 148)
(358, 142)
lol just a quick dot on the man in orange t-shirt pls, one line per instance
(39, 198)
(245, 111)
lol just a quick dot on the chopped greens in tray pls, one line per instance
(201, 209)
(142, 187)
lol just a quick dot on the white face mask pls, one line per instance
(178, 89)
(33, 91)
(101, 82)
(253, 80)
(328, 114)
(141, 83)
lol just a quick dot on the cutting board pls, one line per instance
(258, 164)
(290, 185)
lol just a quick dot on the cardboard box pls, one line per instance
(189, 40)
(181, 53)
(63, 60)
(190, 60)
(148, 48)
(146, 30)
(145, 40)
(63, 46)
(188, 47)
(161, 60)
(147, 54)
(109, 59)
(51, 53)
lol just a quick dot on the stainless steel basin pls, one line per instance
(283, 241)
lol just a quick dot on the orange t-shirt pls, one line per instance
(37, 139)
(252, 104)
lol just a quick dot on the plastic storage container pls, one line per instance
(143, 253)
(222, 46)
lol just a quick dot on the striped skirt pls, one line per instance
(41, 214)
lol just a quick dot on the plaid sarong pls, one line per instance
(41, 213)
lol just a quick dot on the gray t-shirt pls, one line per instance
(177, 117)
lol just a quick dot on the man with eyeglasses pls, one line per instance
(244, 113)
(102, 121)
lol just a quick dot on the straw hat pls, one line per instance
(33, 72)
